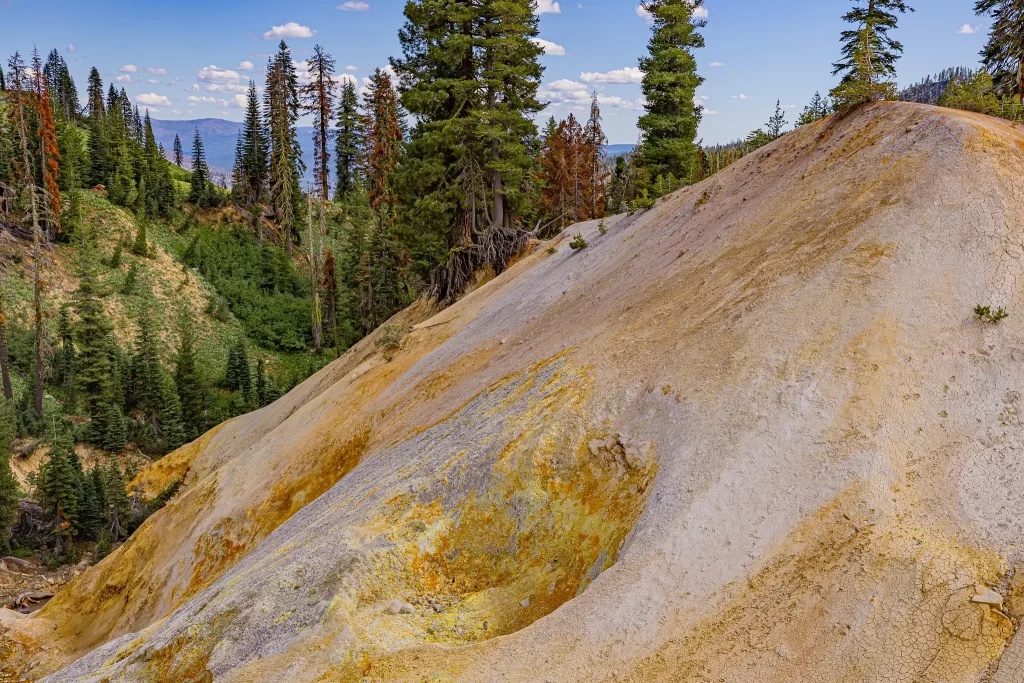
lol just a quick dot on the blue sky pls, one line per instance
(190, 59)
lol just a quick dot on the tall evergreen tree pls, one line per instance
(92, 334)
(147, 374)
(187, 379)
(869, 54)
(171, 425)
(57, 485)
(200, 188)
(1003, 55)
(119, 508)
(348, 139)
(318, 98)
(8, 482)
(179, 153)
(95, 107)
(469, 75)
(777, 122)
(281, 109)
(5, 362)
(253, 153)
(670, 82)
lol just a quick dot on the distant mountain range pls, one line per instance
(219, 138)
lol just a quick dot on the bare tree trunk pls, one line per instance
(26, 159)
(5, 363)
(314, 291)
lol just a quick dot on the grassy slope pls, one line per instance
(163, 286)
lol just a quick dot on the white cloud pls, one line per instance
(194, 88)
(354, 6)
(192, 99)
(351, 69)
(238, 101)
(551, 49)
(710, 112)
(617, 102)
(967, 30)
(124, 78)
(789, 106)
(176, 111)
(129, 69)
(71, 47)
(700, 12)
(700, 99)
(153, 81)
(564, 91)
(246, 66)
(213, 74)
(548, 7)
(715, 65)
(227, 87)
(157, 71)
(151, 99)
(741, 96)
(630, 74)
(289, 30)
(346, 78)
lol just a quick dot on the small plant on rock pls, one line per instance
(601, 228)
(988, 315)
(552, 251)
(578, 242)
(390, 341)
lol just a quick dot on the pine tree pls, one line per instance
(57, 488)
(469, 76)
(349, 140)
(8, 483)
(1003, 55)
(5, 362)
(281, 107)
(179, 153)
(172, 429)
(318, 98)
(95, 95)
(818, 109)
(147, 374)
(261, 382)
(187, 379)
(869, 54)
(119, 508)
(200, 192)
(67, 360)
(3, 83)
(238, 376)
(253, 152)
(670, 83)
(115, 438)
(777, 122)
(92, 333)
(18, 101)
(595, 141)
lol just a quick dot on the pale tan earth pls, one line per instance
(754, 434)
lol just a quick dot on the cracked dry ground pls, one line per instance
(754, 434)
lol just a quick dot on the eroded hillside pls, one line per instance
(756, 433)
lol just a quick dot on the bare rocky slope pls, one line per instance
(754, 434)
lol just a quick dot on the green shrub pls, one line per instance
(988, 315)
(601, 228)
(389, 341)
(552, 251)
(578, 242)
